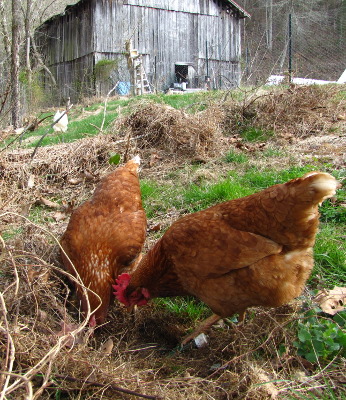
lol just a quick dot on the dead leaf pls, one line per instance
(75, 181)
(25, 210)
(68, 206)
(264, 381)
(42, 315)
(107, 347)
(36, 274)
(332, 301)
(31, 181)
(59, 216)
(88, 175)
(154, 158)
(155, 228)
(48, 203)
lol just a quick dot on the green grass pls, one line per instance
(196, 197)
(38, 215)
(268, 177)
(253, 134)
(157, 198)
(8, 234)
(76, 130)
(236, 157)
(330, 255)
(185, 306)
(272, 152)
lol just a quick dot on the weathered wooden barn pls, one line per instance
(190, 41)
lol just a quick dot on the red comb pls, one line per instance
(121, 284)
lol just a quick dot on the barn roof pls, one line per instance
(240, 10)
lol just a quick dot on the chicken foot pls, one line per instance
(206, 324)
(201, 328)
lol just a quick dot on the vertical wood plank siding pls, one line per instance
(164, 31)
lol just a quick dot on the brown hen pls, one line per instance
(105, 236)
(252, 251)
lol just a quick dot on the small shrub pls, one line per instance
(103, 68)
(321, 338)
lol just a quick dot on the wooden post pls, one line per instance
(290, 48)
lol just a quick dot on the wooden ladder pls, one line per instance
(142, 85)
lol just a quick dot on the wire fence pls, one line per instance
(308, 45)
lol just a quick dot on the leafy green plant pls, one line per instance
(104, 67)
(321, 338)
(114, 159)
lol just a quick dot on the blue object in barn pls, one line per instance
(123, 88)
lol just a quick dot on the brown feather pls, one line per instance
(252, 251)
(105, 236)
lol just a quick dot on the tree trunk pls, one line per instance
(15, 63)
(3, 26)
(269, 24)
(27, 23)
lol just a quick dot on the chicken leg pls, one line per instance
(201, 328)
(206, 324)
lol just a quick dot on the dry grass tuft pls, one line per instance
(68, 171)
(60, 161)
(163, 127)
(299, 111)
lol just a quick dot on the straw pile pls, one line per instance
(162, 127)
(297, 112)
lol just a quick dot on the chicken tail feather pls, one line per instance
(322, 184)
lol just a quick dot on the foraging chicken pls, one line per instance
(61, 125)
(252, 251)
(105, 236)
